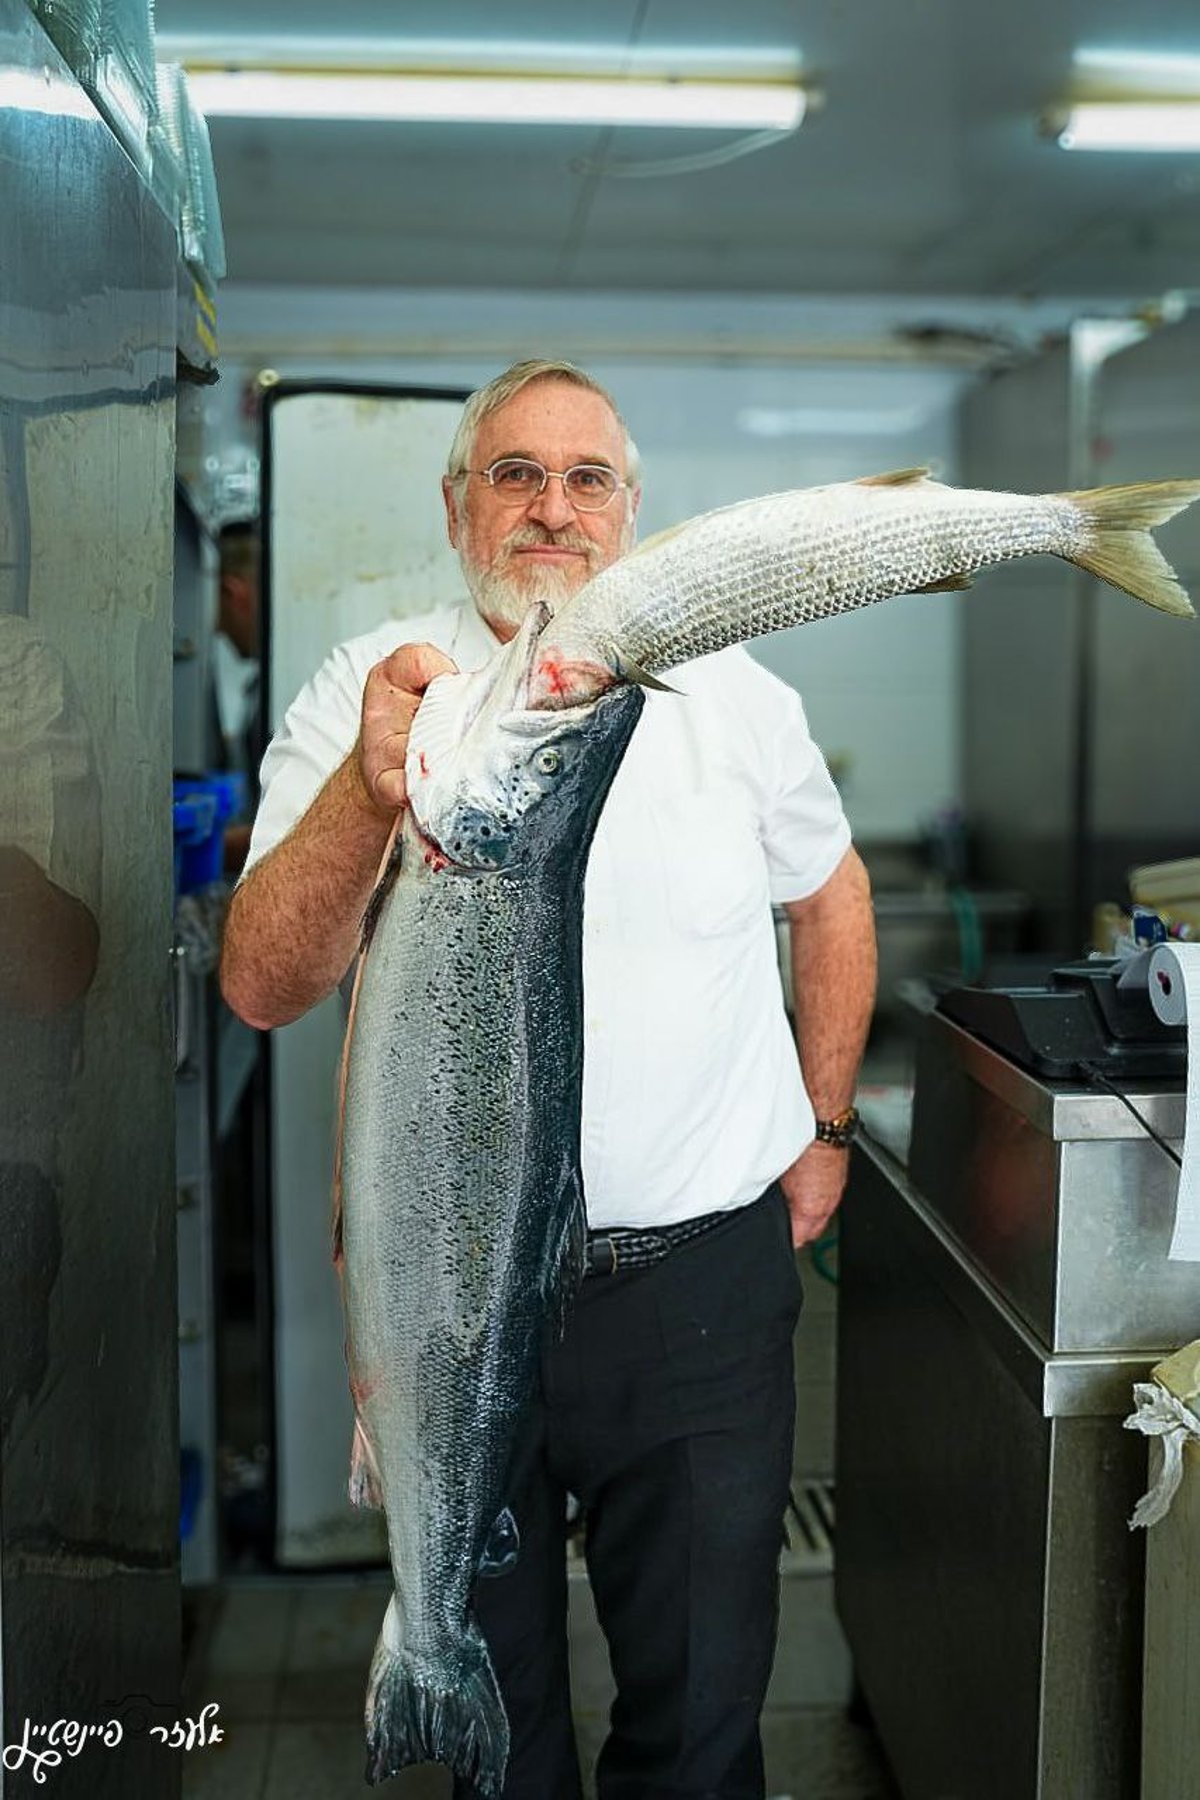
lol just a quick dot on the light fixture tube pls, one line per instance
(1142, 125)
(498, 99)
(1140, 73)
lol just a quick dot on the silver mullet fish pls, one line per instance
(459, 1220)
(767, 564)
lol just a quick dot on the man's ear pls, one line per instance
(453, 513)
(633, 500)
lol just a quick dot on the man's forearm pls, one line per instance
(833, 988)
(833, 983)
(293, 924)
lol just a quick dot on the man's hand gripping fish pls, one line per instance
(459, 1220)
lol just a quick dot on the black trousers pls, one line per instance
(668, 1408)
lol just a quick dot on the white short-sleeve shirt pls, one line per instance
(692, 1096)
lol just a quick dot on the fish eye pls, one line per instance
(548, 761)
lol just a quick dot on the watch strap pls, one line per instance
(838, 1131)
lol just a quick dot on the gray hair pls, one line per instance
(492, 397)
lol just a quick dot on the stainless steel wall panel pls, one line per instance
(1059, 812)
(1146, 753)
(1018, 662)
(88, 1399)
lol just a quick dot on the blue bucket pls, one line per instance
(194, 817)
(203, 857)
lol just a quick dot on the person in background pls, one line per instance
(235, 674)
(713, 1143)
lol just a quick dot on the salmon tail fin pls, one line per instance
(1122, 552)
(460, 1722)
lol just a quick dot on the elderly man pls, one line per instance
(710, 1148)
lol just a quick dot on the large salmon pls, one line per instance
(461, 1215)
(461, 1225)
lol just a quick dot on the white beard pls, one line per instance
(502, 600)
(503, 597)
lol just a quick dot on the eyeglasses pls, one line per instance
(516, 480)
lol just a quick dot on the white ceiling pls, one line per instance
(923, 173)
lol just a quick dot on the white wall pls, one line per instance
(726, 399)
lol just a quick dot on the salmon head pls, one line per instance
(493, 783)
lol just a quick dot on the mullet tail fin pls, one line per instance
(1121, 550)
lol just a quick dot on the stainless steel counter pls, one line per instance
(1055, 1191)
(998, 1298)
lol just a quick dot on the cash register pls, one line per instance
(1085, 1019)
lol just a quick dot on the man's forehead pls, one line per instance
(558, 412)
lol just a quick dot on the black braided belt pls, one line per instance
(608, 1251)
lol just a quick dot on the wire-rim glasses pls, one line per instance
(517, 480)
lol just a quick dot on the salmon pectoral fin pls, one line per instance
(1122, 552)
(503, 1547)
(451, 1713)
(563, 1274)
(384, 884)
(365, 1485)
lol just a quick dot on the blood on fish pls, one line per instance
(550, 670)
(559, 681)
(421, 763)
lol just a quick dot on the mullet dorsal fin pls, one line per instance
(893, 478)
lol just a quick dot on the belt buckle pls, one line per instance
(602, 1256)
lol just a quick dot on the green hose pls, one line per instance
(970, 932)
(820, 1252)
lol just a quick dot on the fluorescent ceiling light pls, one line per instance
(1144, 125)
(485, 56)
(1148, 71)
(498, 99)
(1129, 99)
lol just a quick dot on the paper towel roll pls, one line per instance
(1168, 981)
(1174, 982)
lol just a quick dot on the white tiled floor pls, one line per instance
(286, 1661)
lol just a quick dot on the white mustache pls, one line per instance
(528, 537)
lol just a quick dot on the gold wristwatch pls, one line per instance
(839, 1131)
